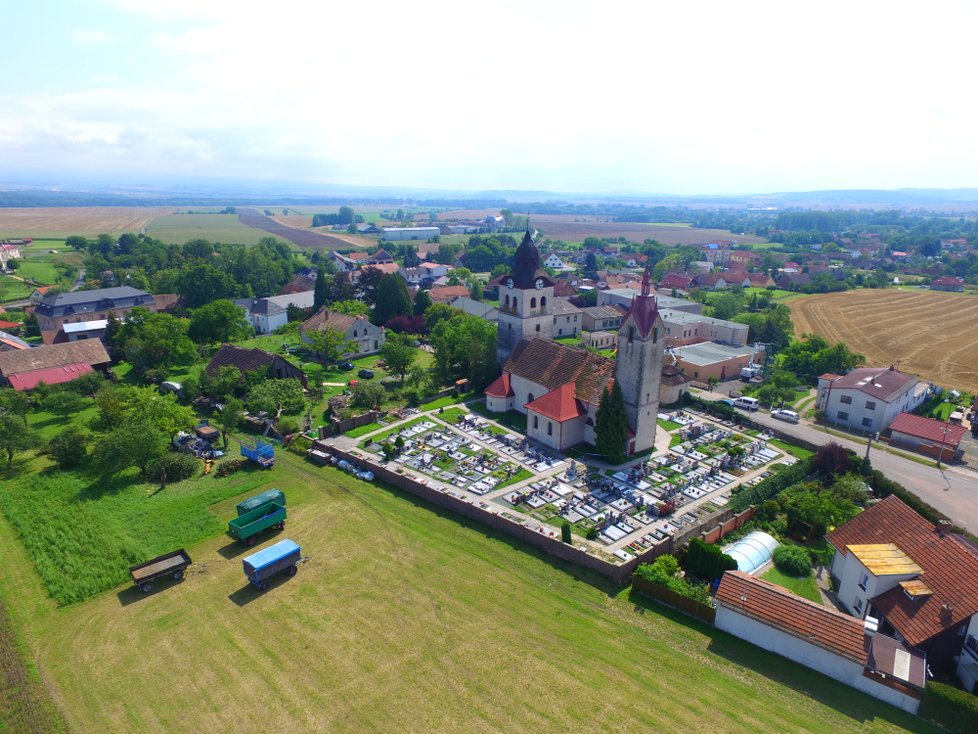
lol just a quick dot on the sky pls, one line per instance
(573, 96)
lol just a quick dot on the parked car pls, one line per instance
(746, 403)
(345, 366)
(785, 415)
(365, 374)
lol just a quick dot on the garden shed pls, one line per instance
(752, 551)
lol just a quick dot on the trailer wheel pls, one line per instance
(146, 588)
(263, 585)
(251, 540)
(178, 575)
(291, 570)
(281, 525)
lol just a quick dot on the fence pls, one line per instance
(337, 426)
(669, 598)
(476, 509)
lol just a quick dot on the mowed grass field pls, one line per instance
(404, 618)
(180, 228)
(926, 333)
(61, 222)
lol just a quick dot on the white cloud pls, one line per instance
(715, 96)
(90, 37)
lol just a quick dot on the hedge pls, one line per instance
(771, 486)
(950, 707)
(706, 560)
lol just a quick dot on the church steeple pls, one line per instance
(525, 300)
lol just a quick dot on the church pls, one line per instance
(559, 387)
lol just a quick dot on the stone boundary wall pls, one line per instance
(336, 427)
(619, 573)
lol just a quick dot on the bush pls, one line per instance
(771, 486)
(287, 426)
(172, 467)
(69, 448)
(299, 444)
(706, 560)
(565, 533)
(950, 707)
(793, 560)
(229, 466)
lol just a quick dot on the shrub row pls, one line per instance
(884, 487)
(771, 486)
(950, 707)
(229, 466)
(706, 560)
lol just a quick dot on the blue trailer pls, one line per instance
(261, 566)
(261, 453)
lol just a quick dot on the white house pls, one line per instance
(367, 338)
(868, 398)
(567, 318)
(820, 638)
(553, 262)
(914, 581)
(267, 314)
(8, 251)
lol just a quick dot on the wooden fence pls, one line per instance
(669, 598)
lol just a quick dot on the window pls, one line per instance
(550, 428)
(533, 303)
(631, 334)
(868, 422)
(870, 405)
(506, 301)
(863, 580)
(845, 399)
(543, 301)
(510, 327)
(529, 398)
(560, 332)
(536, 421)
(354, 333)
(858, 606)
(655, 335)
(538, 327)
(842, 415)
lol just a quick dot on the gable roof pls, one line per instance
(560, 404)
(883, 383)
(779, 608)
(332, 319)
(950, 569)
(929, 429)
(49, 376)
(12, 341)
(246, 360)
(552, 364)
(448, 292)
(501, 387)
(86, 351)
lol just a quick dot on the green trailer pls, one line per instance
(245, 527)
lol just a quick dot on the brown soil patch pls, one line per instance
(87, 220)
(933, 335)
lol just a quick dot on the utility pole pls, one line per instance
(947, 427)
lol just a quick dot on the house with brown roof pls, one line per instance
(249, 360)
(24, 369)
(368, 338)
(448, 293)
(821, 638)
(679, 281)
(939, 439)
(915, 581)
(868, 398)
(947, 283)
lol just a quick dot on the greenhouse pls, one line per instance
(752, 551)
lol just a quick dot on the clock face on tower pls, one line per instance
(539, 283)
(509, 282)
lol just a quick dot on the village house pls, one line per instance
(249, 360)
(684, 328)
(947, 283)
(8, 251)
(821, 638)
(868, 398)
(67, 308)
(679, 281)
(447, 293)
(9, 342)
(937, 439)
(267, 314)
(367, 338)
(567, 317)
(912, 580)
(601, 318)
(52, 364)
(553, 262)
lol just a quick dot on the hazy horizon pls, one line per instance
(570, 97)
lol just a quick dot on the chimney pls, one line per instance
(942, 527)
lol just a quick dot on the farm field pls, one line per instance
(60, 222)
(576, 228)
(180, 228)
(405, 618)
(930, 334)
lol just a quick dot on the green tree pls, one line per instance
(465, 348)
(321, 290)
(202, 284)
(422, 302)
(399, 353)
(230, 418)
(350, 308)
(69, 448)
(726, 306)
(155, 341)
(277, 398)
(64, 403)
(15, 402)
(15, 436)
(367, 395)
(76, 242)
(329, 343)
(218, 321)
(134, 444)
(222, 383)
(611, 425)
(392, 299)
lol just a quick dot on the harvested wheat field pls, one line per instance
(58, 222)
(934, 335)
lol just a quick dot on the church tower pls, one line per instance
(526, 297)
(638, 366)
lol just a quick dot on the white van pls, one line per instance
(746, 403)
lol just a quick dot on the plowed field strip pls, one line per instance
(934, 335)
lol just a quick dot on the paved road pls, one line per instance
(953, 491)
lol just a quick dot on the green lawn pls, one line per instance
(798, 451)
(668, 425)
(451, 415)
(363, 430)
(805, 587)
(13, 289)
(511, 419)
(404, 618)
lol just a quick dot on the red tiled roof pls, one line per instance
(448, 292)
(385, 268)
(560, 404)
(950, 569)
(883, 383)
(50, 376)
(551, 364)
(947, 280)
(643, 310)
(928, 428)
(779, 608)
(501, 387)
(7, 325)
